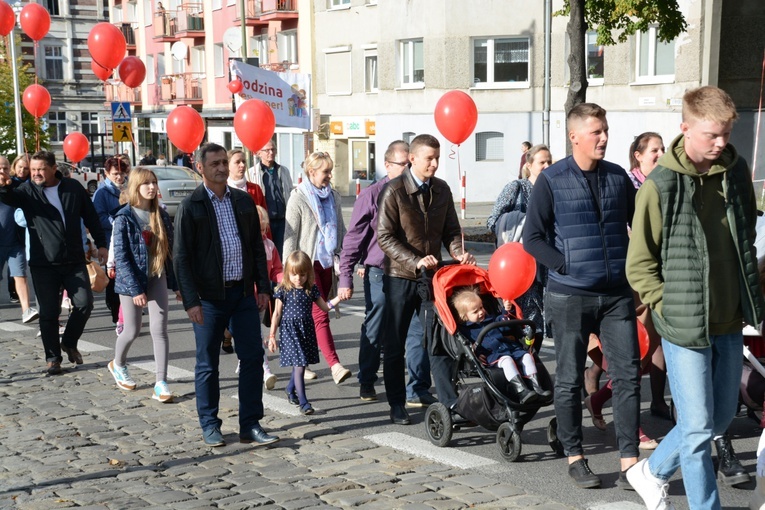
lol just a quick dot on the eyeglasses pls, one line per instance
(405, 163)
(268, 150)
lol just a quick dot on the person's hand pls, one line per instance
(263, 301)
(271, 345)
(344, 293)
(361, 271)
(428, 262)
(178, 296)
(103, 255)
(195, 315)
(507, 304)
(111, 273)
(466, 258)
(140, 300)
(5, 178)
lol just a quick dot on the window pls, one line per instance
(54, 63)
(217, 4)
(489, 146)
(286, 44)
(148, 13)
(594, 58)
(198, 59)
(260, 47)
(500, 61)
(52, 7)
(218, 58)
(359, 152)
(57, 126)
(337, 68)
(291, 152)
(370, 71)
(654, 58)
(90, 124)
(151, 77)
(161, 64)
(408, 136)
(412, 63)
(334, 4)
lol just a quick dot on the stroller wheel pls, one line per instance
(438, 424)
(509, 442)
(552, 438)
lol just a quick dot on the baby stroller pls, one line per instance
(487, 403)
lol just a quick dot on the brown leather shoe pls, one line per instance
(54, 367)
(73, 354)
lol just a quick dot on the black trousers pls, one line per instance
(402, 301)
(48, 281)
(112, 300)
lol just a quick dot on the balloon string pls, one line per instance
(455, 154)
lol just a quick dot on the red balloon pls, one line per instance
(101, 72)
(36, 99)
(254, 123)
(456, 116)
(76, 147)
(106, 44)
(185, 128)
(35, 21)
(511, 270)
(7, 18)
(235, 86)
(132, 71)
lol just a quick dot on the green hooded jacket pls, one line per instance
(691, 256)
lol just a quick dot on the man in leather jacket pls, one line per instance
(416, 218)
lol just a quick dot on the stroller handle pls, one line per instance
(423, 271)
(502, 324)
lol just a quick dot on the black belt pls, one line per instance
(232, 283)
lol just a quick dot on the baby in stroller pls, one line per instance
(496, 348)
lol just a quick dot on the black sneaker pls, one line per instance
(583, 476)
(623, 483)
(367, 392)
(424, 400)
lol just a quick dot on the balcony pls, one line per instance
(120, 92)
(183, 88)
(129, 33)
(164, 26)
(190, 21)
(260, 12)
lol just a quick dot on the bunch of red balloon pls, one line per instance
(107, 46)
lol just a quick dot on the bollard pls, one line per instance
(358, 188)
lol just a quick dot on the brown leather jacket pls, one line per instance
(406, 232)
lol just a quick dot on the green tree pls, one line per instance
(7, 112)
(609, 17)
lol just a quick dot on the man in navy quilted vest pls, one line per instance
(576, 226)
(692, 260)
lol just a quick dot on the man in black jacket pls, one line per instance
(55, 208)
(218, 257)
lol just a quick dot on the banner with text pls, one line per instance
(288, 94)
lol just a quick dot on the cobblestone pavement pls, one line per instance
(75, 441)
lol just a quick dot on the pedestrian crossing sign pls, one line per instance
(120, 112)
(122, 132)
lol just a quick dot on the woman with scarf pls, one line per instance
(314, 224)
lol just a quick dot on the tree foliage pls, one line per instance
(614, 21)
(7, 111)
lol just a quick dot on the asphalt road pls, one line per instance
(538, 469)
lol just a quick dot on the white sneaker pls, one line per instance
(162, 392)
(269, 380)
(29, 315)
(309, 374)
(651, 489)
(121, 376)
(66, 303)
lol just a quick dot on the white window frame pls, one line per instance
(490, 83)
(231, 2)
(482, 143)
(151, 76)
(590, 80)
(371, 84)
(261, 43)
(336, 51)
(217, 5)
(60, 120)
(406, 52)
(219, 66)
(198, 58)
(287, 38)
(338, 5)
(653, 41)
(148, 12)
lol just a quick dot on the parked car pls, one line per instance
(88, 179)
(175, 183)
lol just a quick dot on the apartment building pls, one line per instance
(381, 66)
(186, 48)
(63, 62)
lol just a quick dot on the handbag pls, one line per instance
(98, 278)
(509, 226)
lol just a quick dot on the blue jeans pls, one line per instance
(417, 362)
(705, 386)
(240, 314)
(370, 341)
(573, 318)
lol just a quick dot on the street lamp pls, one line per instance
(16, 94)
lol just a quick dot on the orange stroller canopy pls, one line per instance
(449, 277)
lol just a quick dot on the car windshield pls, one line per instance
(174, 174)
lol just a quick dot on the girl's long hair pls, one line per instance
(160, 246)
(298, 262)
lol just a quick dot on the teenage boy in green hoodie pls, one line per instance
(692, 260)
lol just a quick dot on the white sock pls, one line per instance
(507, 365)
(529, 367)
